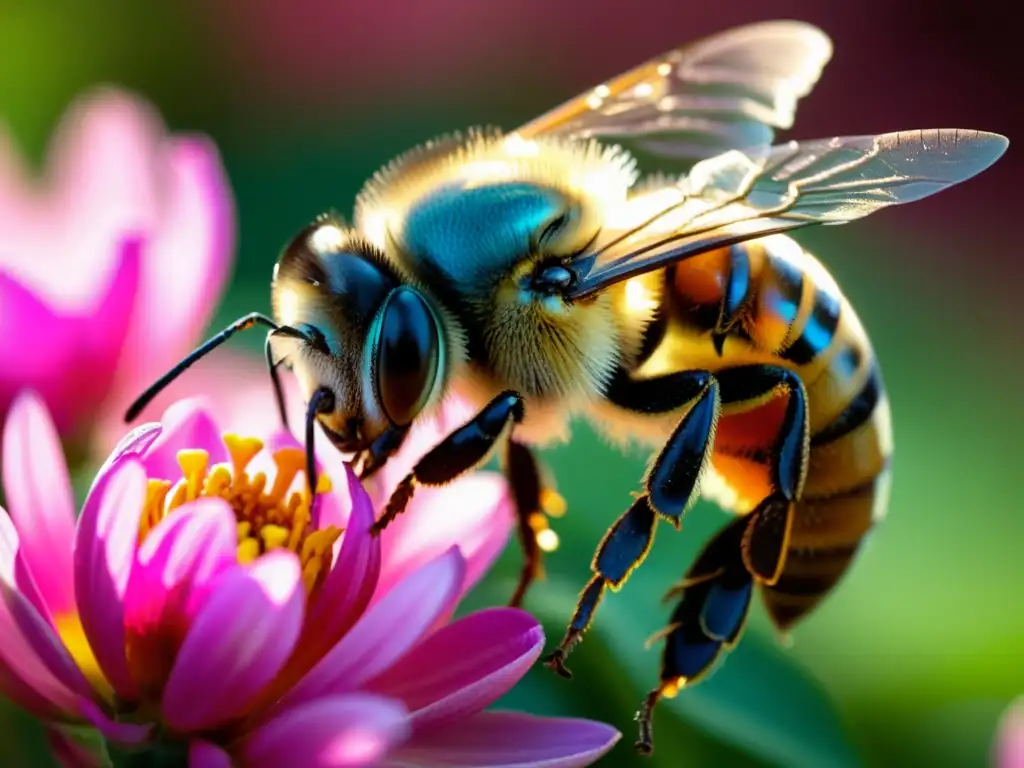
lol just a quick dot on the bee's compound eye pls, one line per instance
(406, 352)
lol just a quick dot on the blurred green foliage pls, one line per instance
(913, 658)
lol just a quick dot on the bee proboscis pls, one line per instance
(538, 275)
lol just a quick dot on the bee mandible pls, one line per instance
(540, 276)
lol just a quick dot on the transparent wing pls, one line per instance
(727, 91)
(740, 196)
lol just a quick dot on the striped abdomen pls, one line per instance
(771, 302)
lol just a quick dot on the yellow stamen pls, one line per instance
(289, 461)
(156, 493)
(267, 519)
(273, 536)
(248, 550)
(242, 451)
(193, 463)
(311, 574)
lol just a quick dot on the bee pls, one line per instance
(539, 275)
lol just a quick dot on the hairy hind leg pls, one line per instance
(669, 488)
(766, 539)
(715, 593)
(707, 620)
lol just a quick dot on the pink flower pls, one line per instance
(1010, 738)
(201, 605)
(111, 265)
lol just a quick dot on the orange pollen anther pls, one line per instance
(267, 518)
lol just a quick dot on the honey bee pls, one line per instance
(539, 275)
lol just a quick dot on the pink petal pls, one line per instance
(105, 546)
(336, 732)
(507, 740)
(349, 586)
(102, 161)
(87, 342)
(188, 260)
(237, 644)
(40, 636)
(345, 592)
(100, 346)
(24, 687)
(1010, 738)
(386, 631)
(136, 442)
(25, 669)
(99, 186)
(464, 666)
(176, 568)
(38, 488)
(186, 424)
(13, 569)
(474, 513)
(72, 372)
(23, 315)
(203, 754)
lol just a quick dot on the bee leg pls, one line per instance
(528, 493)
(376, 456)
(716, 592)
(467, 447)
(766, 540)
(708, 620)
(670, 487)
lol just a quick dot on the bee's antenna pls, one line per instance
(241, 324)
(272, 365)
(322, 401)
(275, 378)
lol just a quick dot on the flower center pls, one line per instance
(268, 518)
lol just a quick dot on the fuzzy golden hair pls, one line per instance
(593, 175)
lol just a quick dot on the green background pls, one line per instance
(912, 660)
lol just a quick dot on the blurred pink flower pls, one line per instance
(200, 600)
(112, 263)
(1010, 737)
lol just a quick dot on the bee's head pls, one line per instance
(371, 341)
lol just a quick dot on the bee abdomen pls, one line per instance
(819, 329)
(845, 495)
(827, 535)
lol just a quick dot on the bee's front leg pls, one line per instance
(467, 447)
(670, 487)
(368, 462)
